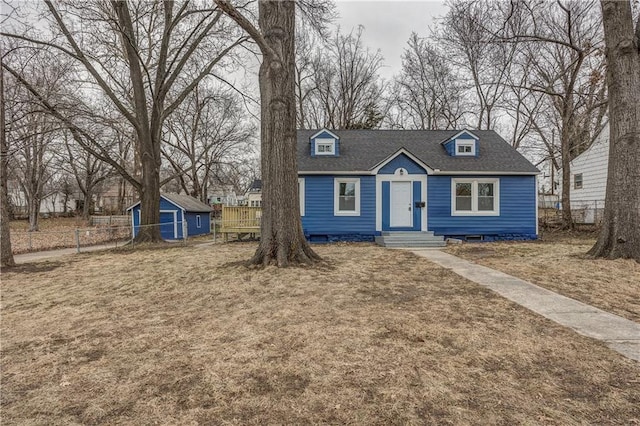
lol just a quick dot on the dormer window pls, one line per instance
(465, 147)
(325, 146)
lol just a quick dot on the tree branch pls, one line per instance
(244, 23)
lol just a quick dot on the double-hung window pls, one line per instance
(346, 197)
(479, 197)
(577, 181)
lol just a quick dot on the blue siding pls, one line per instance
(450, 147)
(517, 218)
(325, 135)
(319, 221)
(205, 223)
(386, 208)
(404, 162)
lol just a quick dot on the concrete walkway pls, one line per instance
(620, 334)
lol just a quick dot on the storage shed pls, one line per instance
(179, 213)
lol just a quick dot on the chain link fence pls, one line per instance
(583, 212)
(32, 241)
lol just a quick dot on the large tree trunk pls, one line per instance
(620, 234)
(6, 255)
(282, 240)
(149, 201)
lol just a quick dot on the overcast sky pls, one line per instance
(388, 25)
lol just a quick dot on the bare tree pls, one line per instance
(620, 234)
(6, 254)
(344, 89)
(428, 94)
(282, 240)
(145, 57)
(562, 46)
(32, 132)
(208, 132)
(88, 171)
(467, 32)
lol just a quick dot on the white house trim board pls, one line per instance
(301, 194)
(324, 131)
(471, 173)
(461, 132)
(415, 159)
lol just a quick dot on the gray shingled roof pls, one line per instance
(187, 202)
(362, 150)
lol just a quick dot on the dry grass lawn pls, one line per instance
(186, 335)
(557, 262)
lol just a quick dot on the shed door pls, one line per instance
(167, 225)
(401, 211)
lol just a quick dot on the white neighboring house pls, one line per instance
(589, 180)
(254, 194)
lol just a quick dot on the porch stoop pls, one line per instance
(410, 239)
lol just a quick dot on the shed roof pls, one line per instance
(184, 201)
(363, 150)
(187, 202)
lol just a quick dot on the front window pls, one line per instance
(198, 221)
(475, 197)
(347, 197)
(577, 181)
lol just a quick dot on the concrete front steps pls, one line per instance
(410, 239)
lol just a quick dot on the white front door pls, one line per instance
(401, 209)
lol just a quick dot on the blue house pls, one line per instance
(179, 214)
(356, 185)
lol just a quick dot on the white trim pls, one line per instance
(461, 173)
(424, 215)
(432, 172)
(133, 225)
(474, 197)
(384, 162)
(379, 203)
(464, 143)
(336, 196)
(301, 194)
(198, 221)
(325, 141)
(337, 173)
(323, 131)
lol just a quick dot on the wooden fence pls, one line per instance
(110, 220)
(241, 221)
